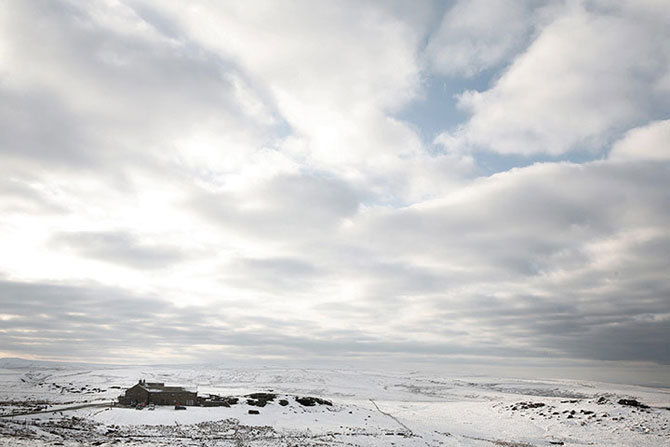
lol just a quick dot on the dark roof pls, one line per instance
(158, 387)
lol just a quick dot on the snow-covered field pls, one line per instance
(48, 405)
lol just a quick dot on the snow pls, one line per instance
(369, 409)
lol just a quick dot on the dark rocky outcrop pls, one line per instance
(262, 396)
(527, 405)
(219, 401)
(309, 401)
(260, 399)
(632, 403)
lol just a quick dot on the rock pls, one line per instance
(311, 401)
(262, 396)
(254, 412)
(527, 405)
(256, 403)
(260, 399)
(632, 403)
(218, 401)
(283, 402)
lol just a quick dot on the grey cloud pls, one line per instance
(81, 320)
(89, 92)
(286, 206)
(580, 304)
(533, 229)
(402, 279)
(75, 318)
(20, 197)
(39, 125)
(575, 251)
(523, 221)
(280, 266)
(271, 274)
(119, 247)
(630, 340)
(602, 318)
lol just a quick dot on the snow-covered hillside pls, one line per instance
(72, 406)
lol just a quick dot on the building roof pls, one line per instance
(159, 387)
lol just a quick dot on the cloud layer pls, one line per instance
(234, 181)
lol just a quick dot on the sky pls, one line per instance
(472, 184)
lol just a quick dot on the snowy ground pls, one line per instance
(71, 407)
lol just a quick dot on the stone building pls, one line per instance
(159, 394)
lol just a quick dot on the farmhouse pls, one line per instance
(159, 394)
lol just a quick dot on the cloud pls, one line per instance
(228, 180)
(552, 256)
(334, 71)
(37, 126)
(83, 320)
(86, 86)
(78, 321)
(590, 74)
(19, 196)
(119, 247)
(491, 271)
(272, 275)
(477, 35)
(283, 207)
(649, 142)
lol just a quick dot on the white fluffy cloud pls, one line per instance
(323, 65)
(476, 35)
(335, 72)
(650, 142)
(592, 72)
(90, 84)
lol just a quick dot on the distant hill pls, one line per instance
(18, 363)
